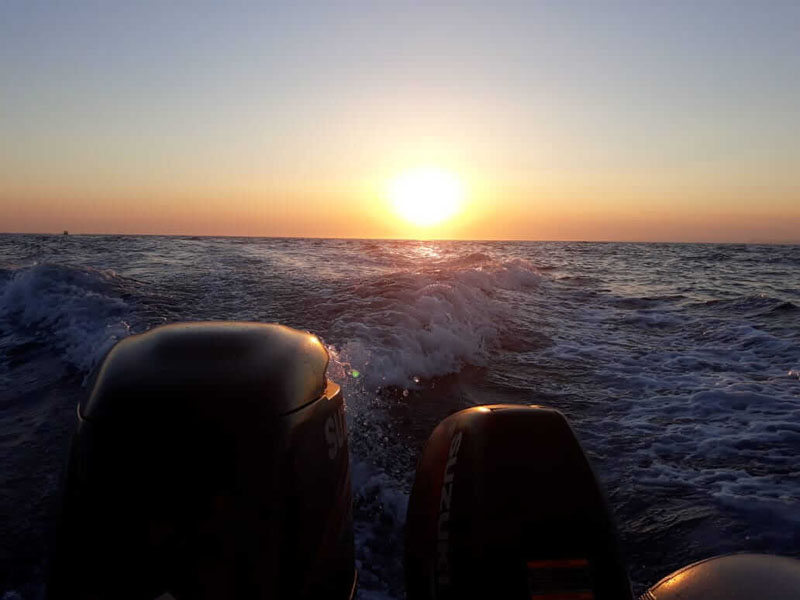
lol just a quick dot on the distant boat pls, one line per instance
(66, 232)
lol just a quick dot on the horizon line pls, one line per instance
(411, 239)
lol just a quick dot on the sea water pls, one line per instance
(678, 366)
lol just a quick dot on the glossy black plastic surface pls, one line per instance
(210, 462)
(264, 369)
(505, 505)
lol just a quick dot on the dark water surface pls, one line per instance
(677, 364)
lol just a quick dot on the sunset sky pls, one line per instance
(674, 120)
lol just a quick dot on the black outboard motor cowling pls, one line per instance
(209, 462)
(505, 505)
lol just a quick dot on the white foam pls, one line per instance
(78, 308)
(711, 439)
(427, 324)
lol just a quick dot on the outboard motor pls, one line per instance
(505, 505)
(210, 461)
(732, 577)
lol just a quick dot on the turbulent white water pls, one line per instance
(678, 366)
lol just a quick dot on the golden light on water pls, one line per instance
(426, 196)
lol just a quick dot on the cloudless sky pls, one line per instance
(671, 120)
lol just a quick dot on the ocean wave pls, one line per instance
(713, 440)
(80, 311)
(405, 326)
(780, 308)
(655, 319)
(645, 302)
(752, 305)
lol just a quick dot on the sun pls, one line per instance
(426, 196)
